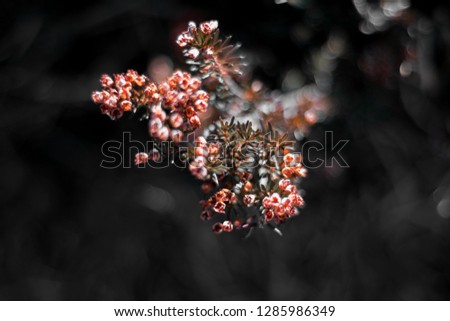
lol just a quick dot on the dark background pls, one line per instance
(378, 230)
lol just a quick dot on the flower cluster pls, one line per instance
(142, 158)
(119, 94)
(176, 113)
(279, 206)
(293, 166)
(219, 203)
(171, 106)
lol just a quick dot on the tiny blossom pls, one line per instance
(268, 215)
(192, 27)
(154, 155)
(209, 27)
(267, 202)
(126, 105)
(220, 207)
(301, 171)
(194, 121)
(206, 215)
(291, 189)
(213, 149)
(217, 228)
(106, 81)
(247, 186)
(208, 52)
(275, 198)
(192, 53)
(288, 158)
(190, 111)
(194, 84)
(285, 201)
(97, 97)
(227, 226)
(296, 199)
(223, 195)
(176, 135)
(176, 119)
(141, 158)
(249, 199)
(201, 105)
(184, 39)
(283, 184)
(198, 170)
(287, 172)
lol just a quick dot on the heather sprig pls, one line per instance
(250, 170)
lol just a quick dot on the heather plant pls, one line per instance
(244, 150)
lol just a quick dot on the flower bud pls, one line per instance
(192, 53)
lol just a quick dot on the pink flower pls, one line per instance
(201, 105)
(301, 171)
(249, 199)
(287, 172)
(192, 53)
(192, 27)
(140, 158)
(208, 52)
(209, 27)
(219, 207)
(106, 81)
(184, 39)
(268, 215)
(126, 105)
(227, 226)
(163, 133)
(201, 94)
(176, 120)
(200, 151)
(286, 201)
(223, 195)
(279, 210)
(97, 97)
(153, 126)
(194, 84)
(296, 199)
(275, 198)
(217, 228)
(154, 155)
(288, 158)
(206, 215)
(283, 184)
(190, 112)
(182, 99)
(195, 121)
(291, 189)
(176, 135)
(290, 211)
(267, 202)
